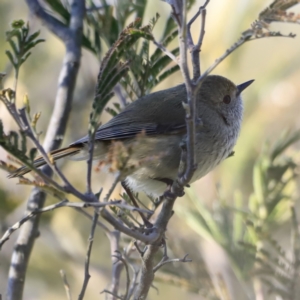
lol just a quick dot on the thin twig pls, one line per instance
(120, 258)
(139, 250)
(114, 295)
(66, 284)
(68, 186)
(64, 203)
(117, 266)
(88, 257)
(89, 162)
(195, 49)
(113, 186)
(183, 47)
(195, 52)
(240, 42)
(133, 200)
(71, 36)
(166, 51)
(17, 225)
(167, 260)
(147, 239)
(133, 281)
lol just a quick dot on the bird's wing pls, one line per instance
(125, 131)
(149, 115)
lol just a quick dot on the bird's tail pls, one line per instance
(39, 162)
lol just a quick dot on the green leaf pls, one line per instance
(14, 47)
(167, 73)
(11, 58)
(20, 44)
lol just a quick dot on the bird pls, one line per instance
(150, 132)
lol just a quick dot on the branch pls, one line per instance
(147, 273)
(66, 284)
(110, 293)
(165, 50)
(57, 28)
(114, 239)
(88, 257)
(120, 260)
(133, 281)
(71, 36)
(195, 49)
(167, 260)
(147, 239)
(64, 203)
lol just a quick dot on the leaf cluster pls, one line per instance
(21, 42)
(131, 62)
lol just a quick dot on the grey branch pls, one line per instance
(167, 260)
(64, 203)
(88, 256)
(165, 50)
(188, 163)
(66, 284)
(117, 224)
(110, 293)
(117, 265)
(71, 36)
(195, 49)
(123, 261)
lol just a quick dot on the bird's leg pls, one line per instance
(169, 183)
(134, 202)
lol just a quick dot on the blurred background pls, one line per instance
(272, 106)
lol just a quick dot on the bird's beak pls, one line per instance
(242, 86)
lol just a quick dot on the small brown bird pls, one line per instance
(153, 127)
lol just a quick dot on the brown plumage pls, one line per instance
(160, 117)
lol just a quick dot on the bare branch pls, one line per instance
(165, 50)
(90, 162)
(66, 284)
(141, 252)
(195, 49)
(147, 239)
(131, 196)
(183, 44)
(30, 133)
(167, 260)
(65, 203)
(17, 225)
(71, 36)
(120, 258)
(59, 29)
(88, 256)
(133, 281)
(113, 186)
(114, 295)
(117, 266)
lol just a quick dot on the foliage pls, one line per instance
(246, 234)
(21, 42)
(104, 27)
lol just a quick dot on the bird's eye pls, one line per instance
(227, 99)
